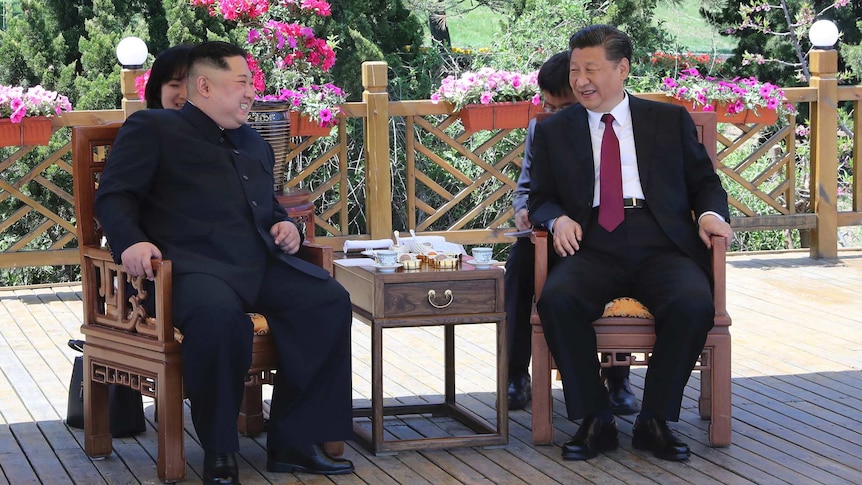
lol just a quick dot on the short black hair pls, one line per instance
(617, 44)
(170, 64)
(553, 76)
(213, 53)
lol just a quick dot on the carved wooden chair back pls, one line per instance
(626, 334)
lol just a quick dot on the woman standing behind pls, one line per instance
(166, 87)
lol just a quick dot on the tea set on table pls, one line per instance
(412, 254)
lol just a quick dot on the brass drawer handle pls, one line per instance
(432, 295)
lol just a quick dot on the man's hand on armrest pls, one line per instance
(136, 259)
(712, 225)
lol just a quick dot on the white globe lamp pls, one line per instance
(823, 34)
(132, 52)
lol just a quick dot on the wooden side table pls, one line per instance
(300, 207)
(429, 297)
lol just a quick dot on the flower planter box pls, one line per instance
(301, 125)
(763, 116)
(747, 116)
(34, 130)
(498, 116)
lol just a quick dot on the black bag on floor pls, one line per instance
(125, 404)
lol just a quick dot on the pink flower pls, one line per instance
(141, 85)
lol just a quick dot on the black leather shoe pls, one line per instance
(220, 469)
(520, 391)
(622, 399)
(654, 435)
(306, 459)
(593, 437)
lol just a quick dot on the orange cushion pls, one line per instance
(258, 321)
(626, 307)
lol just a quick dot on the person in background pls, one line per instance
(557, 94)
(167, 85)
(617, 179)
(195, 186)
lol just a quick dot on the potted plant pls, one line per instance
(25, 115)
(313, 108)
(492, 99)
(738, 100)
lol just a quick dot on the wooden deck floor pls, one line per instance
(797, 397)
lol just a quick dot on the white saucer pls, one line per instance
(483, 265)
(368, 252)
(386, 268)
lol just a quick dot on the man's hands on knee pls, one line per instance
(136, 259)
(286, 236)
(567, 236)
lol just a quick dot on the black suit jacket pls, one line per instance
(676, 173)
(203, 196)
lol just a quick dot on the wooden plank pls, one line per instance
(797, 399)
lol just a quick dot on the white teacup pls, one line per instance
(482, 255)
(386, 257)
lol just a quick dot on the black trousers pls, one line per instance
(637, 259)
(520, 288)
(309, 320)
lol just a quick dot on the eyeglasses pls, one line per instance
(549, 108)
(552, 108)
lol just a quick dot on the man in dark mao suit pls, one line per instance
(654, 251)
(195, 186)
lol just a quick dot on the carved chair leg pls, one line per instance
(720, 427)
(542, 406)
(97, 429)
(250, 421)
(171, 462)
(334, 448)
(704, 403)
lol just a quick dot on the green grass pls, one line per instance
(477, 28)
(691, 30)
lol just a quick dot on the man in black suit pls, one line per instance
(639, 240)
(195, 186)
(553, 79)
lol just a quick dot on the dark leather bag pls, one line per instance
(125, 404)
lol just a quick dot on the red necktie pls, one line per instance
(610, 178)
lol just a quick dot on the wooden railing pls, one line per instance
(457, 184)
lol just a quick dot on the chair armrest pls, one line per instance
(107, 302)
(719, 273)
(316, 254)
(540, 271)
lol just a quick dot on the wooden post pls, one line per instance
(378, 181)
(131, 102)
(824, 153)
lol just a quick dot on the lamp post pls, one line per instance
(824, 142)
(132, 53)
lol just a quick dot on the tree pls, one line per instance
(773, 39)
(393, 31)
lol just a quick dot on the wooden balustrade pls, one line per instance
(457, 184)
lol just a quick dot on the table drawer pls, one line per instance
(448, 297)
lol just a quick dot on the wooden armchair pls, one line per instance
(627, 327)
(129, 346)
